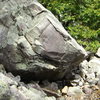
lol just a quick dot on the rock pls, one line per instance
(72, 91)
(87, 90)
(51, 89)
(90, 71)
(2, 69)
(98, 52)
(49, 98)
(4, 94)
(62, 98)
(84, 69)
(98, 83)
(51, 93)
(27, 42)
(64, 90)
(84, 65)
(81, 83)
(77, 81)
(79, 97)
(11, 90)
(51, 86)
(94, 64)
(92, 81)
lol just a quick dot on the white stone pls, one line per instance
(64, 90)
(38, 43)
(80, 83)
(94, 64)
(27, 49)
(84, 64)
(72, 91)
(98, 52)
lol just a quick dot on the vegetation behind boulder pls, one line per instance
(80, 17)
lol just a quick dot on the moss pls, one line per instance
(21, 66)
(4, 91)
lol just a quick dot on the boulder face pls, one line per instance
(33, 43)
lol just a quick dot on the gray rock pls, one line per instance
(72, 91)
(98, 83)
(62, 98)
(53, 86)
(90, 71)
(98, 52)
(10, 90)
(64, 90)
(33, 43)
(87, 90)
(2, 69)
(84, 65)
(84, 68)
(77, 82)
(94, 64)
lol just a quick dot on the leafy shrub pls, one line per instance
(80, 17)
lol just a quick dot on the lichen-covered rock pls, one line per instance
(2, 69)
(33, 43)
(11, 90)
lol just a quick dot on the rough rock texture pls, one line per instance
(98, 52)
(33, 43)
(12, 90)
(88, 72)
(2, 69)
(91, 70)
(74, 91)
(94, 64)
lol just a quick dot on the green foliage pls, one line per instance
(80, 17)
(89, 38)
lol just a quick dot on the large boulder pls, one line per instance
(33, 43)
